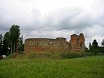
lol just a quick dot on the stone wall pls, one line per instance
(76, 43)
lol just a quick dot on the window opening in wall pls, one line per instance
(77, 40)
(50, 43)
(80, 44)
(36, 43)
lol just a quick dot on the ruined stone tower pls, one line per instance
(76, 44)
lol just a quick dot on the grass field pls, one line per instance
(85, 67)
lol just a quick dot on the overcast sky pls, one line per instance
(54, 18)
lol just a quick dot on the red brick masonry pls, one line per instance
(76, 44)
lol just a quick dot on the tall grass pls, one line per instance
(86, 67)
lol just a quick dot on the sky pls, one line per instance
(54, 18)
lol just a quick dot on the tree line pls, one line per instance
(95, 48)
(11, 42)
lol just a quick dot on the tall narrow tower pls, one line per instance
(77, 43)
(82, 42)
(74, 40)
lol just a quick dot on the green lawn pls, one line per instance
(86, 67)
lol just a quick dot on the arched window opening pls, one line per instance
(50, 43)
(81, 44)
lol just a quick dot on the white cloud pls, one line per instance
(53, 18)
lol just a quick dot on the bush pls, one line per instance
(72, 55)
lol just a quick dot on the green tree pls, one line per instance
(102, 47)
(1, 44)
(6, 42)
(21, 45)
(95, 46)
(102, 43)
(90, 47)
(14, 37)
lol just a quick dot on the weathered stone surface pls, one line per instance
(76, 44)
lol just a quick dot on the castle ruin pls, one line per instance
(75, 44)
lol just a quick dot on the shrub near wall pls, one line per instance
(72, 55)
(37, 54)
(47, 54)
